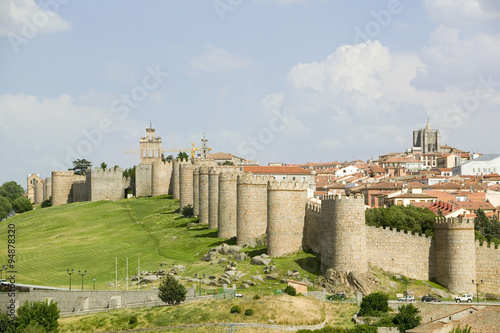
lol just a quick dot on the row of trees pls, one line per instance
(31, 317)
(409, 218)
(487, 229)
(12, 199)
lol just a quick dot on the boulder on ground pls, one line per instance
(260, 260)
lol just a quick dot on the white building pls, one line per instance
(348, 170)
(483, 165)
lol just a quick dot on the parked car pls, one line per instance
(239, 295)
(464, 298)
(408, 298)
(428, 298)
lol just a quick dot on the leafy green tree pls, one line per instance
(104, 165)
(130, 173)
(374, 304)
(11, 190)
(487, 227)
(171, 291)
(21, 205)
(183, 156)
(5, 207)
(169, 158)
(466, 329)
(6, 324)
(228, 163)
(290, 291)
(43, 313)
(80, 166)
(407, 318)
(409, 218)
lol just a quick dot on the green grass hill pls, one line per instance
(91, 235)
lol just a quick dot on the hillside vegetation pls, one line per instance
(90, 235)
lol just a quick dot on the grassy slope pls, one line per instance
(90, 235)
(284, 310)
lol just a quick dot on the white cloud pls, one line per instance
(218, 59)
(26, 18)
(49, 133)
(451, 61)
(462, 13)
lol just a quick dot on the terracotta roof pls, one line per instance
(402, 159)
(475, 205)
(415, 195)
(276, 170)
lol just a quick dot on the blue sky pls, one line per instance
(272, 80)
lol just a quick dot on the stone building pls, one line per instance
(426, 140)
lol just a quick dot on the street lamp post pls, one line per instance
(82, 274)
(70, 272)
(196, 276)
(405, 281)
(477, 288)
(94, 284)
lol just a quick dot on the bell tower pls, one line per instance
(150, 147)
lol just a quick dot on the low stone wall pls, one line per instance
(80, 302)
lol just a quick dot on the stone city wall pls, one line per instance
(488, 268)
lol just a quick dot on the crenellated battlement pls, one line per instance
(343, 198)
(458, 222)
(100, 171)
(400, 232)
(229, 174)
(283, 185)
(313, 207)
(63, 173)
(251, 179)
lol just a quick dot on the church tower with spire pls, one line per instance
(426, 140)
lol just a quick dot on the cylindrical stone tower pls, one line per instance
(286, 203)
(213, 197)
(203, 181)
(47, 188)
(252, 208)
(455, 254)
(62, 181)
(175, 178)
(186, 185)
(160, 179)
(38, 192)
(343, 234)
(196, 190)
(227, 203)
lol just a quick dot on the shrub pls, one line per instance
(34, 314)
(171, 291)
(46, 203)
(248, 312)
(133, 320)
(21, 205)
(374, 304)
(466, 329)
(290, 291)
(187, 211)
(235, 309)
(257, 296)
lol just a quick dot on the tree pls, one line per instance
(21, 205)
(169, 158)
(466, 329)
(228, 163)
(374, 304)
(80, 166)
(5, 208)
(43, 313)
(129, 173)
(171, 291)
(11, 190)
(6, 323)
(104, 165)
(407, 318)
(183, 156)
(46, 203)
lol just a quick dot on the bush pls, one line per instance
(187, 211)
(466, 329)
(256, 296)
(6, 324)
(34, 314)
(133, 320)
(235, 309)
(290, 291)
(248, 312)
(374, 304)
(46, 203)
(21, 205)
(171, 291)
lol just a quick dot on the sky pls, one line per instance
(289, 81)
